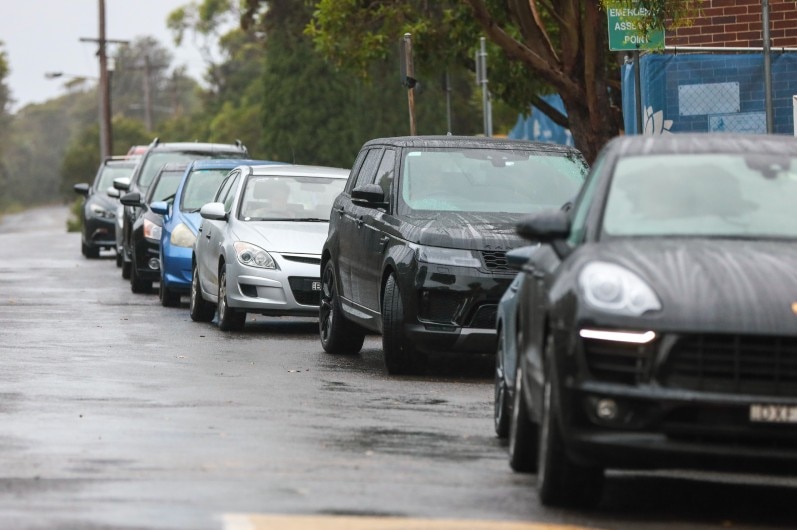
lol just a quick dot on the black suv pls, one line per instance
(151, 161)
(417, 241)
(145, 237)
(99, 208)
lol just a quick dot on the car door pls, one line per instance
(350, 242)
(212, 236)
(367, 275)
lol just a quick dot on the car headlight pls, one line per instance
(615, 289)
(448, 256)
(182, 236)
(253, 256)
(101, 212)
(152, 230)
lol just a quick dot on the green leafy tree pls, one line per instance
(5, 119)
(538, 47)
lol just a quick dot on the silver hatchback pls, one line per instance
(258, 249)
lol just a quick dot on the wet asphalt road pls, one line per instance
(119, 413)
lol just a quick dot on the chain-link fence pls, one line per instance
(710, 92)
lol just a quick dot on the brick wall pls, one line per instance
(738, 23)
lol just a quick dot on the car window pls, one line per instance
(230, 195)
(156, 159)
(225, 187)
(200, 187)
(384, 175)
(368, 170)
(165, 186)
(583, 204)
(488, 179)
(111, 172)
(355, 170)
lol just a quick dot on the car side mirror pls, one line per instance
(81, 189)
(551, 227)
(517, 257)
(121, 183)
(370, 195)
(132, 199)
(113, 192)
(159, 207)
(213, 211)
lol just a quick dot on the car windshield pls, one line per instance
(200, 187)
(489, 180)
(289, 198)
(166, 185)
(155, 161)
(720, 195)
(111, 172)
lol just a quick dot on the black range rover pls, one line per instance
(418, 239)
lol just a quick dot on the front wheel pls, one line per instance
(127, 267)
(560, 481)
(200, 309)
(501, 410)
(338, 335)
(89, 251)
(229, 319)
(522, 432)
(138, 284)
(168, 297)
(400, 354)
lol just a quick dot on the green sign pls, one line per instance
(624, 33)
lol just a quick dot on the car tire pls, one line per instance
(200, 309)
(338, 335)
(137, 284)
(127, 267)
(522, 434)
(119, 260)
(89, 251)
(560, 481)
(229, 319)
(501, 409)
(168, 297)
(401, 358)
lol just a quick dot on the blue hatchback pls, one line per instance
(181, 220)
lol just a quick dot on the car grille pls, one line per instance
(485, 317)
(734, 363)
(303, 292)
(617, 362)
(495, 260)
(302, 259)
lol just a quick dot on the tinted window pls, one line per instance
(368, 170)
(384, 175)
(225, 187)
(584, 203)
(355, 170)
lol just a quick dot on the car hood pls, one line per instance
(291, 237)
(717, 285)
(102, 199)
(466, 230)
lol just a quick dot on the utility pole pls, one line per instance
(481, 79)
(408, 77)
(106, 132)
(767, 66)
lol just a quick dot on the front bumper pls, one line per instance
(99, 232)
(176, 264)
(147, 259)
(455, 308)
(288, 291)
(684, 400)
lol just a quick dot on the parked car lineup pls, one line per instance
(642, 313)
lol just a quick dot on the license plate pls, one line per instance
(315, 286)
(773, 414)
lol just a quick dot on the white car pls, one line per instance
(258, 249)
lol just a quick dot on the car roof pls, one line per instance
(197, 146)
(123, 162)
(173, 166)
(228, 163)
(468, 142)
(300, 171)
(697, 143)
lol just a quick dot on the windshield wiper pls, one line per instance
(310, 220)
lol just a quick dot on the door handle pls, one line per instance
(383, 241)
(359, 222)
(207, 236)
(340, 211)
(199, 229)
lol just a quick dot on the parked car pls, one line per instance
(145, 235)
(181, 219)
(99, 207)
(418, 240)
(260, 245)
(154, 157)
(659, 321)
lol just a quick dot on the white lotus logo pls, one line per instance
(655, 123)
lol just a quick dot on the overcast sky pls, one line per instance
(43, 36)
